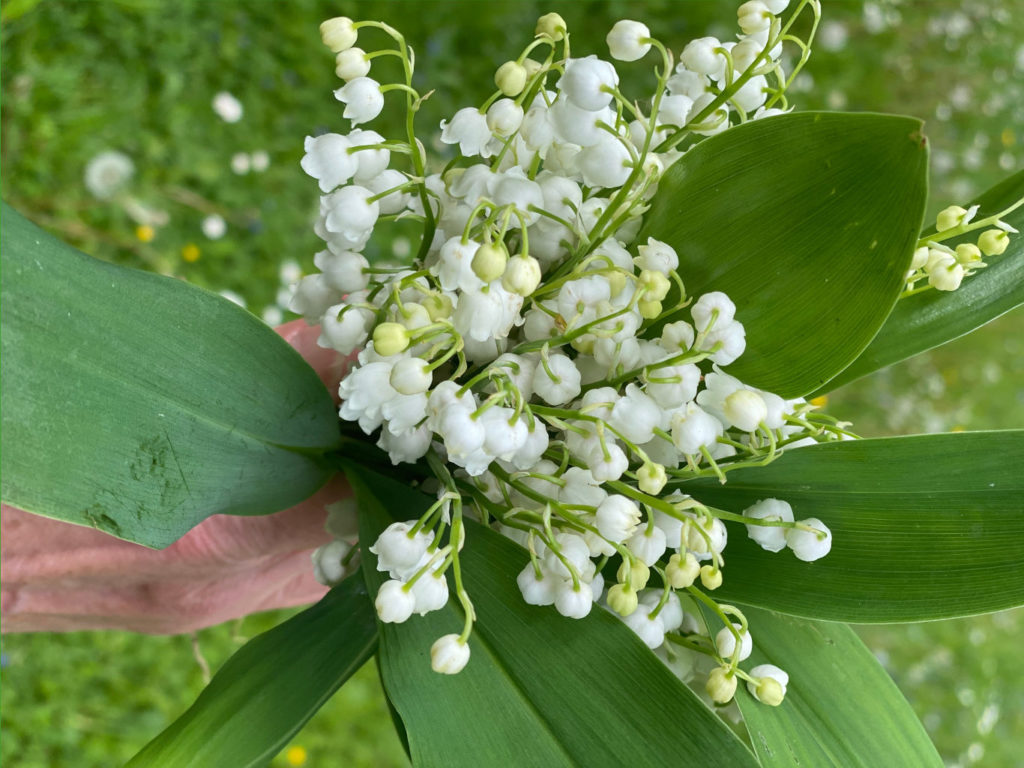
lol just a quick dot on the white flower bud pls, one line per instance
(388, 179)
(617, 518)
(769, 684)
(511, 78)
(522, 275)
(808, 545)
(725, 642)
(754, 17)
(607, 467)
(394, 602)
(694, 428)
(461, 432)
(629, 40)
(650, 629)
(657, 256)
(338, 33)
(372, 162)
(648, 545)
(536, 591)
(944, 273)
(351, 63)
(920, 258)
(574, 603)
(430, 593)
(344, 328)
(587, 82)
(411, 376)
(701, 57)
(771, 538)
(745, 409)
(449, 655)
(328, 566)
(362, 98)
(344, 271)
(504, 117)
(605, 164)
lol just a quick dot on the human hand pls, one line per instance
(59, 577)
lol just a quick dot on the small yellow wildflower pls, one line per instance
(295, 755)
(190, 253)
(819, 402)
(145, 233)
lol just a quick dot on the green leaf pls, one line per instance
(539, 689)
(841, 708)
(807, 222)
(926, 320)
(268, 690)
(141, 405)
(923, 527)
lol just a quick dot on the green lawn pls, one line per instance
(139, 76)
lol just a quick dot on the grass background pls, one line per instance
(139, 76)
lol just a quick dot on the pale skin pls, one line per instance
(60, 577)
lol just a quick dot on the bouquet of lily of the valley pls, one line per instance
(594, 484)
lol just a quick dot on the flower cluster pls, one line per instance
(944, 267)
(547, 366)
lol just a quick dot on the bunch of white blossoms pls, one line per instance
(944, 267)
(546, 365)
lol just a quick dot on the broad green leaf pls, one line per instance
(539, 689)
(841, 709)
(923, 527)
(807, 221)
(929, 319)
(268, 690)
(141, 405)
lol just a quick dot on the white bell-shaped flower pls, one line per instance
(344, 329)
(328, 161)
(406, 447)
(344, 271)
(430, 593)
(629, 40)
(694, 428)
(350, 213)
(587, 82)
(468, 128)
(725, 642)
(771, 538)
(537, 590)
(605, 164)
(574, 603)
(449, 655)
(809, 545)
(617, 518)
(701, 56)
(394, 602)
(557, 382)
(650, 629)
(372, 162)
(504, 117)
(362, 98)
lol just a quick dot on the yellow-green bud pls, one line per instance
(583, 345)
(711, 576)
(552, 25)
(637, 575)
(655, 285)
(649, 309)
(681, 572)
(532, 67)
(438, 306)
(651, 478)
(721, 685)
(390, 339)
(616, 281)
(413, 315)
(769, 691)
(489, 261)
(338, 33)
(949, 218)
(967, 254)
(993, 242)
(522, 275)
(622, 599)
(510, 78)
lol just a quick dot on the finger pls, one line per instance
(328, 364)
